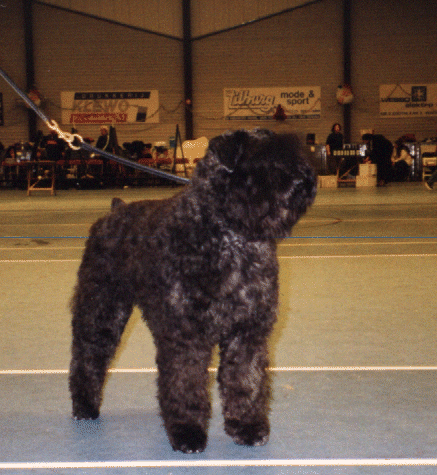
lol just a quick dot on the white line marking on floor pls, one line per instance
(379, 462)
(376, 220)
(345, 242)
(359, 256)
(43, 248)
(371, 220)
(34, 225)
(35, 261)
(353, 368)
(279, 369)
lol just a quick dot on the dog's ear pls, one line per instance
(117, 203)
(229, 148)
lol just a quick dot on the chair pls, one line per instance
(428, 152)
(194, 150)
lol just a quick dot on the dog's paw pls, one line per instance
(254, 434)
(188, 438)
(85, 412)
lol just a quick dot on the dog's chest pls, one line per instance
(244, 264)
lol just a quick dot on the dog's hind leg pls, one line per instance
(100, 314)
(183, 390)
(244, 388)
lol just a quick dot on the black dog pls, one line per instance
(202, 267)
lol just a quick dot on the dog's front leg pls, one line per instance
(244, 387)
(183, 390)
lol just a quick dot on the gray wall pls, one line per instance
(392, 42)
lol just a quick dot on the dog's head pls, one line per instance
(261, 181)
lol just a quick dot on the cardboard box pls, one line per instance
(329, 181)
(367, 169)
(365, 181)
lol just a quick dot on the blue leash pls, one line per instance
(70, 138)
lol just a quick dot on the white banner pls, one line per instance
(116, 107)
(261, 103)
(407, 100)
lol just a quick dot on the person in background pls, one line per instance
(334, 142)
(279, 113)
(10, 158)
(146, 153)
(10, 154)
(103, 140)
(53, 145)
(380, 152)
(429, 184)
(401, 161)
(104, 143)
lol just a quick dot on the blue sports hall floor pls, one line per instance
(353, 356)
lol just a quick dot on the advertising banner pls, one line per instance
(116, 107)
(261, 103)
(407, 100)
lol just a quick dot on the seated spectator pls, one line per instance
(103, 140)
(380, 150)
(146, 152)
(145, 157)
(402, 161)
(54, 146)
(279, 113)
(10, 155)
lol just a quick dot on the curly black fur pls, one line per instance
(202, 268)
